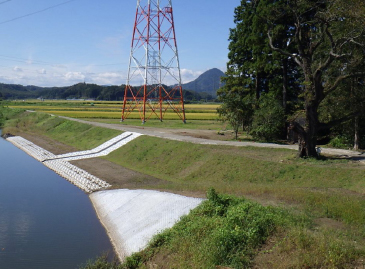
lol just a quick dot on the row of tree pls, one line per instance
(82, 91)
(297, 66)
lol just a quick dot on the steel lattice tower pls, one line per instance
(154, 63)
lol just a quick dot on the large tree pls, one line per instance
(253, 67)
(329, 39)
(309, 48)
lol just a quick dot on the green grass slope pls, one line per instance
(311, 213)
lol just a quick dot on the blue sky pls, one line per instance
(89, 40)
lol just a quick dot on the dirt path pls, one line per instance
(208, 137)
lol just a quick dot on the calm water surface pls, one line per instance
(45, 222)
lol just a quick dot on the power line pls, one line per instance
(37, 62)
(3, 2)
(22, 60)
(33, 13)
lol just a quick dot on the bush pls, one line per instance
(7, 113)
(101, 263)
(268, 120)
(223, 231)
(340, 142)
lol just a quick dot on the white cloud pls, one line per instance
(107, 78)
(62, 76)
(18, 69)
(189, 75)
(74, 76)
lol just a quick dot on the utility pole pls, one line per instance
(153, 63)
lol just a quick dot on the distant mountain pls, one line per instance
(19, 91)
(80, 91)
(208, 82)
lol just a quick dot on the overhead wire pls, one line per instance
(3, 2)
(22, 60)
(38, 62)
(36, 12)
(31, 61)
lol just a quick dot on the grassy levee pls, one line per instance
(323, 189)
(312, 213)
(77, 135)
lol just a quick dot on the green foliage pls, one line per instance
(235, 109)
(222, 231)
(268, 120)
(298, 60)
(133, 262)
(7, 114)
(87, 91)
(346, 100)
(340, 142)
(101, 263)
(2, 120)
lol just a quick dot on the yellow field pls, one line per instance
(110, 110)
(133, 115)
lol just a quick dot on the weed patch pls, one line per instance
(222, 231)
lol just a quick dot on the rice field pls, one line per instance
(110, 110)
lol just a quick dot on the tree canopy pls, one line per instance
(304, 52)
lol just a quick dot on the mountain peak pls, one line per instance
(209, 82)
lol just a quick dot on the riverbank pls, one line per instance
(45, 222)
(130, 217)
(329, 192)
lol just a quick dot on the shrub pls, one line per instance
(223, 231)
(268, 119)
(340, 142)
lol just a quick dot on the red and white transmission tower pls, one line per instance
(154, 63)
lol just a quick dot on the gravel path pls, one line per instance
(173, 135)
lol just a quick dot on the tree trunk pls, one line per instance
(357, 136)
(308, 139)
(312, 93)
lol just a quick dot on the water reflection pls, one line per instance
(45, 222)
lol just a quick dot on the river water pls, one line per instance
(45, 222)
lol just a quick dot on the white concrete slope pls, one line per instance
(132, 217)
(73, 174)
(102, 150)
(60, 164)
(31, 149)
(77, 176)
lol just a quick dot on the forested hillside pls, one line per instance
(80, 91)
(203, 88)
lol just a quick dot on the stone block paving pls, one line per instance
(60, 163)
